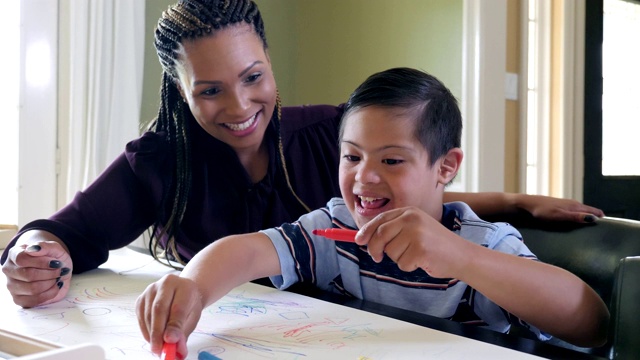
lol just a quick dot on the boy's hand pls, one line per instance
(38, 273)
(168, 311)
(413, 239)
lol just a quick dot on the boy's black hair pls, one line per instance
(438, 118)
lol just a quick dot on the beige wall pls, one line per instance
(512, 107)
(152, 69)
(321, 50)
(333, 45)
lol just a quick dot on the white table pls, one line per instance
(252, 322)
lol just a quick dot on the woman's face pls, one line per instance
(229, 86)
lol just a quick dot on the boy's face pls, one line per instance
(383, 166)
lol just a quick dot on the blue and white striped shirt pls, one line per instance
(347, 268)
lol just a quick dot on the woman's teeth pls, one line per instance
(243, 125)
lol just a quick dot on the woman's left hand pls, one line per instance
(556, 209)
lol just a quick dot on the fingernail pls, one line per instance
(60, 284)
(57, 279)
(54, 264)
(33, 248)
(65, 271)
(172, 334)
(589, 218)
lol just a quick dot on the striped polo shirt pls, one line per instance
(348, 269)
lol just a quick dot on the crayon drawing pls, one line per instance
(251, 322)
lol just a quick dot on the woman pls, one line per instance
(221, 158)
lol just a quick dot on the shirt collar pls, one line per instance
(451, 218)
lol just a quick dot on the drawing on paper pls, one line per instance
(252, 321)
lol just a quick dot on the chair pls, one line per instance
(606, 256)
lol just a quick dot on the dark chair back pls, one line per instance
(596, 253)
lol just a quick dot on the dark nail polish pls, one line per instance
(589, 218)
(65, 271)
(60, 284)
(57, 279)
(33, 248)
(54, 264)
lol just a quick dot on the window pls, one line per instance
(537, 104)
(621, 86)
(9, 103)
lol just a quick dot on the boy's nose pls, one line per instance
(367, 173)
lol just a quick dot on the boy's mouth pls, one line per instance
(371, 203)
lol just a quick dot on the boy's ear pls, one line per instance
(449, 165)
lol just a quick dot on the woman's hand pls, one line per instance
(168, 311)
(555, 209)
(38, 271)
(546, 208)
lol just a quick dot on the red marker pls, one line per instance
(168, 351)
(337, 234)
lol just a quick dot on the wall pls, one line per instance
(512, 107)
(152, 68)
(321, 50)
(339, 43)
(279, 18)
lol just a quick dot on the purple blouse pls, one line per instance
(125, 199)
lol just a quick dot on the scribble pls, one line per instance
(96, 311)
(250, 322)
(294, 315)
(259, 346)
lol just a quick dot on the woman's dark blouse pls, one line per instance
(124, 200)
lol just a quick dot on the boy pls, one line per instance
(400, 147)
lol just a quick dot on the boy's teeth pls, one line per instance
(372, 203)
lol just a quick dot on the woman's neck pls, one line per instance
(255, 162)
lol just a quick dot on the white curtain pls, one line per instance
(106, 67)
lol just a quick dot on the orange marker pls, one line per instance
(168, 351)
(337, 234)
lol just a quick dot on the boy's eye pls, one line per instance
(392, 161)
(352, 158)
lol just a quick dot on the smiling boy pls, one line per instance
(400, 147)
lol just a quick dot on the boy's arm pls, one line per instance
(545, 296)
(541, 207)
(169, 309)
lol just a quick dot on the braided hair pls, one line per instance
(190, 19)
